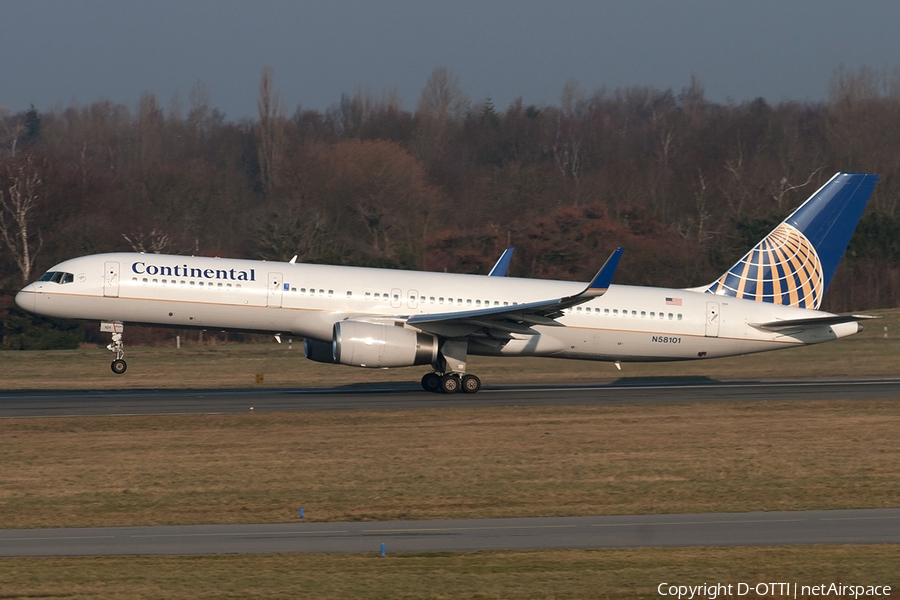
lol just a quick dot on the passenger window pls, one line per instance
(155, 281)
(369, 296)
(616, 312)
(506, 304)
(431, 300)
(144, 280)
(578, 309)
(634, 313)
(237, 285)
(441, 300)
(377, 296)
(227, 285)
(670, 316)
(679, 316)
(293, 289)
(469, 302)
(653, 315)
(330, 293)
(605, 311)
(349, 294)
(478, 303)
(321, 292)
(643, 314)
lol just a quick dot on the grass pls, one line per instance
(283, 365)
(560, 574)
(452, 463)
(443, 463)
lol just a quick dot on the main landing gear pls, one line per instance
(450, 383)
(118, 365)
(449, 374)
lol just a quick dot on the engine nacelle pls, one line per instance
(376, 345)
(322, 352)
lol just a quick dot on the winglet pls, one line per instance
(604, 276)
(502, 264)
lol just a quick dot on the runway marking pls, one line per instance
(702, 522)
(497, 528)
(232, 534)
(857, 518)
(62, 537)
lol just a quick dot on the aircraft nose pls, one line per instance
(26, 298)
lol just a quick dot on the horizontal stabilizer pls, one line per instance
(811, 322)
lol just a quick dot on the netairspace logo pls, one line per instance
(774, 590)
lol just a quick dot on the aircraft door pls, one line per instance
(396, 298)
(276, 290)
(712, 319)
(413, 299)
(111, 279)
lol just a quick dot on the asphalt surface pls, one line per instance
(877, 526)
(146, 402)
(771, 528)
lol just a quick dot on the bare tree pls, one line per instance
(784, 186)
(154, 242)
(569, 136)
(13, 130)
(17, 203)
(441, 108)
(271, 130)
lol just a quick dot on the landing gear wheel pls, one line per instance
(118, 366)
(431, 382)
(470, 384)
(450, 384)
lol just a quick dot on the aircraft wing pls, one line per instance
(502, 321)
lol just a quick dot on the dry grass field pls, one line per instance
(564, 574)
(868, 353)
(453, 463)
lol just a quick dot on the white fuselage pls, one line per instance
(627, 323)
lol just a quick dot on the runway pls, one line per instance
(409, 396)
(877, 526)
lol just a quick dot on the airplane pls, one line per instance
(380, 318)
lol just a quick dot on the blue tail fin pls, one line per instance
(794, 264)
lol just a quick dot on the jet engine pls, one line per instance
(376, 345)
(317, 351)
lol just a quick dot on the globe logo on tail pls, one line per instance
(784, 268)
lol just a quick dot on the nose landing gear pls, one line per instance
(118, 365)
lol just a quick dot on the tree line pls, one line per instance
(685, 184)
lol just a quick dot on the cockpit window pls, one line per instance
(57, 277)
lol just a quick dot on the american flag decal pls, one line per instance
(673, 301)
